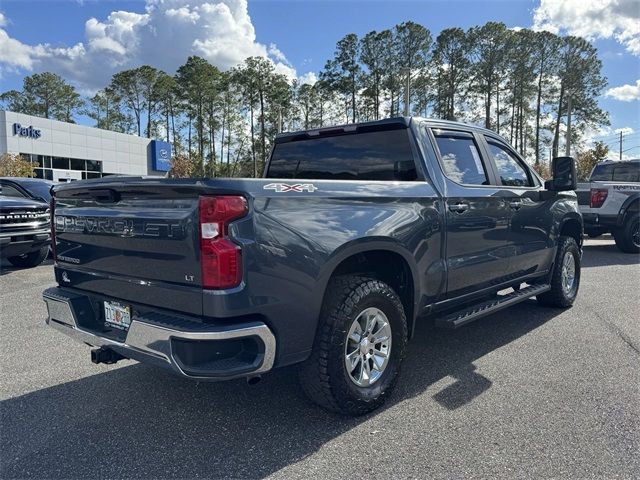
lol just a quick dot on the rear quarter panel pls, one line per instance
(293, 241)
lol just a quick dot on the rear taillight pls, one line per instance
(220, 258)
(598, 196)
(52, 206)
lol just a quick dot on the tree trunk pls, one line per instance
(487, 107)
(498, 108)
(173, 125)
(556, 133)
(538, 109)
(189, 142)
(263, 138)
(149, 110)
(253, 146)
(224, 119)
(200, 124)
(353, 99)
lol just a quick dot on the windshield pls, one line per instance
(39, 189)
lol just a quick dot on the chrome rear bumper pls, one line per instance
(152, 343)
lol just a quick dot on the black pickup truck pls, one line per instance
(354, 234)
(24, 231)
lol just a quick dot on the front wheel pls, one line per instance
(565, 278)
(28, 260)
(358, 348)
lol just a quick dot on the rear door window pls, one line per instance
(379, 155)
(626, 172)
(460, 157)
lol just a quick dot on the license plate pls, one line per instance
(117, 315)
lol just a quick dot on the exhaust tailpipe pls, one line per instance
(254, 379)
(105, 355)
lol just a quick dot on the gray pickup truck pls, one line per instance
(355, 233)
(610, 203)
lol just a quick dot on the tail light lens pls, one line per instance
(52, 207)
(598, 196)
(220, 259)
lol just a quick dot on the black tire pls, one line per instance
(324, 376)
(558, 296)
(627, 237)
(28, 260)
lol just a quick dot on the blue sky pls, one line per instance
(85, 41)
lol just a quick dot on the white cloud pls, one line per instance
(624, 130)
(163, 36)
(619, 19)
(3, 20)
(276, 53)
(309, 78)
(625, 93)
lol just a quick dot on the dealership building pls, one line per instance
(63, 151)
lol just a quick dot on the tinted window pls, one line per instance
(59, 162)
(9, 191)
(626, 172)
(510, 170)
(77, 164)
(602, 172)
(382, 155)
(461, 158)
(39, 189)
(94, 166)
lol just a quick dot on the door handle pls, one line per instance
(459, 207)
(516, 204)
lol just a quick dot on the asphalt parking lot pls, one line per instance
(527, 392)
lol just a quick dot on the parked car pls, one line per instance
(354, 233)
(610, 203)
(24, 230)
(33, 188)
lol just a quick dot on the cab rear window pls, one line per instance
(379, 155)
(620, 172)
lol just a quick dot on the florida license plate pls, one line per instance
(117, 315)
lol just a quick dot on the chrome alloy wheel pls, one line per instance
(568, 273)
(368, 347)
(635, 235)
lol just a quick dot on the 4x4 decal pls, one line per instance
(286, 187)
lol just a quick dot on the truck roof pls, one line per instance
(632, 160)
(385, 124)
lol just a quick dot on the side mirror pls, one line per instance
(564, 177)
(405, 170)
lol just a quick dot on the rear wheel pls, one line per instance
(31, 259)
(627, 237)
(358, 348)
(565, 279)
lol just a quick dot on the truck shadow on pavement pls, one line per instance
(606, 255)
(136, 421)
(6, 268)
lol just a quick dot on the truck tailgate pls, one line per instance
(131, 241)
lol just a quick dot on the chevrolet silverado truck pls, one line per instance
(353, 234)
(24, 231)
(610, 203)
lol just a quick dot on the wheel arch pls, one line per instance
(631, 205)
(385, 260)
(572, 226)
